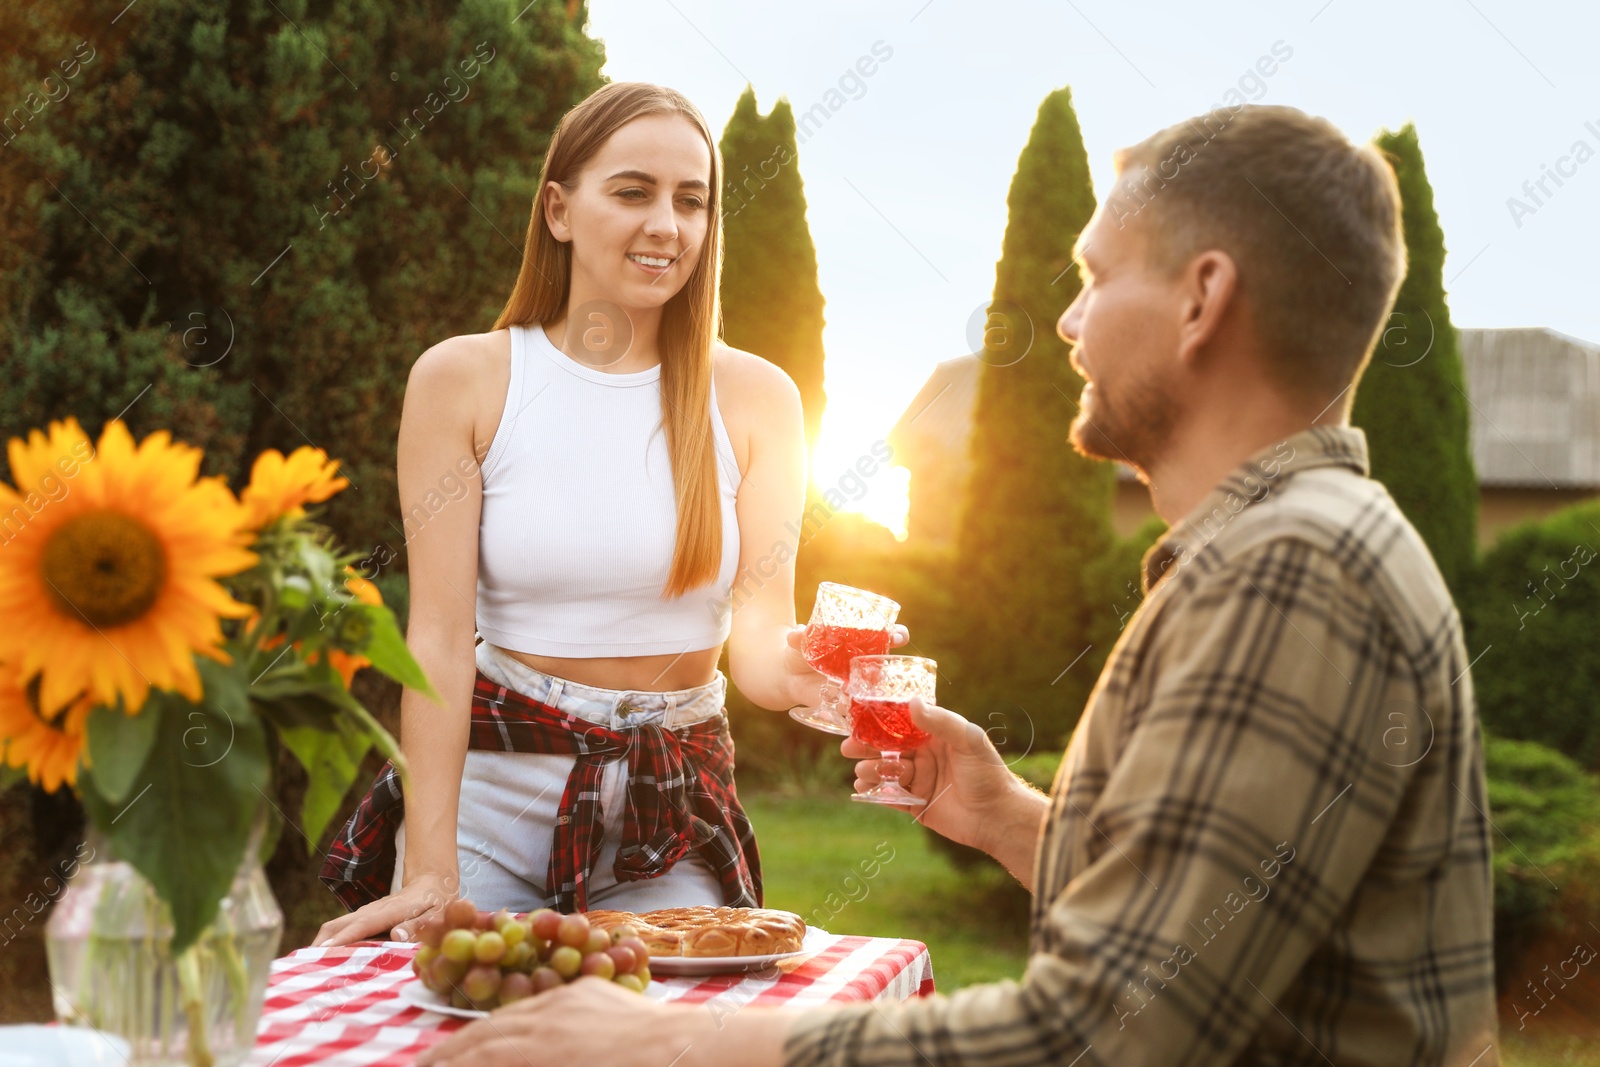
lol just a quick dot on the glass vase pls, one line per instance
(109, 944)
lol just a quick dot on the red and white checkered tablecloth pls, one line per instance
(338, 1007)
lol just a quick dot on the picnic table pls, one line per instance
(341, 1006)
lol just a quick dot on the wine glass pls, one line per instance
(880, 690)
(845, 622)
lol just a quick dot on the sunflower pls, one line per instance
(48, 745)
(282, 486)
(106, 582)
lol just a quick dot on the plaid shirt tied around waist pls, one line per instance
(680, 796)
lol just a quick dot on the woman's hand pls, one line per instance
(394, 917)
(804, 684)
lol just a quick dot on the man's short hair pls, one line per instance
(1312, 221)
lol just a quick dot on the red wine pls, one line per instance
(829, 649)
(885, 724)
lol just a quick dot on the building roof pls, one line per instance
(1534, 393)
(1535, 407)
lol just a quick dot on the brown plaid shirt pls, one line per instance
(1268, 842)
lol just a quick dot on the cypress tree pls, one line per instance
(1036, 533)
(244, 222)
(771, 302)
(1412, 400)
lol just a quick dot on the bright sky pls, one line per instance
(906, 181)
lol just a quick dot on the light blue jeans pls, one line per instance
(509, 800)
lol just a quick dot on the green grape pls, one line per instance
(490, 947)
(459, 945)
(598, 941)
(630, 981)
(517, 957)
(482, 983)
(514, 932)
(566, 961)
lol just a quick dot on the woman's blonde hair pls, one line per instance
(690, 321)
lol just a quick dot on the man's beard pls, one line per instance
(1133, 426)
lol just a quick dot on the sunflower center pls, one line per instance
(105, 566)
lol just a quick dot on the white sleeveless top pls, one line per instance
(579, 519)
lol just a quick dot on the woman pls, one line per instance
(625, 468)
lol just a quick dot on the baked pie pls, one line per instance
(708, 931)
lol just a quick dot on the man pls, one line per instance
(1267, 842)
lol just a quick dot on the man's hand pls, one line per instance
(804, 683)
(394, 917)
(973, 798)
(599, 1022)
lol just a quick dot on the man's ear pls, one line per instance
(1209, 286)
(556, 207)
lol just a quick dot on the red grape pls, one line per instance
(432, 932)
(545, 923)
(515, 986)
(484, 920)
(545, 979)
(623, 957)
(460, 914)
(574, 930)
(599, 964)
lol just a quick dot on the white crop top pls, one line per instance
(579, 519)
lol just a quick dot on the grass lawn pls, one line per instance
(1546, 1050)
(814, 848)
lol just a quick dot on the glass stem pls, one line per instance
(891, 778)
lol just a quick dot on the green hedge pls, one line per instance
(1534, 619)
(1546, 812)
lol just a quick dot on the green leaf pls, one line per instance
(225, 686)
(119, 744)
(10, 776)
(332, 759)
(301, 707)
(389, 654)
(188, 823)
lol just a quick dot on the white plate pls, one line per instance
(60, 1046)
(695, 966)
(420, 996)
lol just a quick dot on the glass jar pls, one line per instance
(109, 943)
